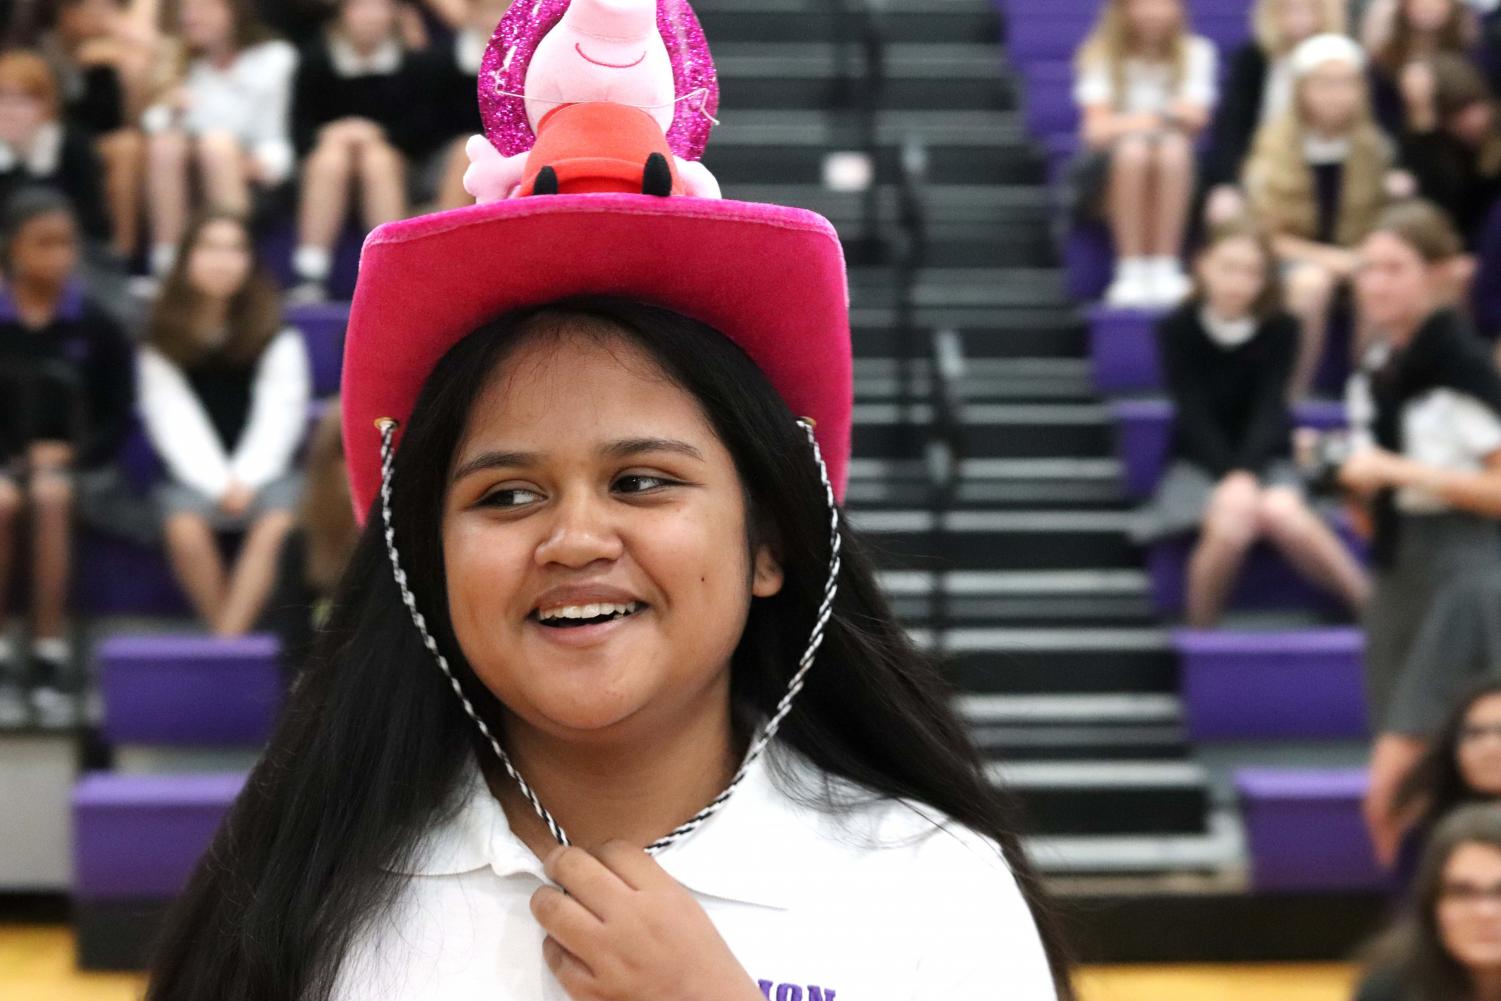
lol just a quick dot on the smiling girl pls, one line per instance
(610, 705)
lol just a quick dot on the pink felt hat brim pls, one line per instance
(770, 278)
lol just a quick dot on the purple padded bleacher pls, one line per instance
(1048, 99)
(322, 326)
(1144, 428)
(1088, 261)
(1123, 349)
(1305, 830)
(1305, 684)
(138, 837)
(202, 691)
(1265, 581)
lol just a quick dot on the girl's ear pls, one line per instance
(767, 574)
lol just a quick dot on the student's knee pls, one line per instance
(10, 503)
(1131, 154)
(185, 527)
(1173, 152)
(331, 158)
(168, 150)
(380, 157)
(218, 150)
(51, 494)
(1230, 519)
(1280, 509)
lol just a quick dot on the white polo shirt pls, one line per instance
(876, 903)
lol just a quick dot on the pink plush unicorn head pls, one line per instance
(532, 53)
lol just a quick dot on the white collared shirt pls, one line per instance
(875, 903)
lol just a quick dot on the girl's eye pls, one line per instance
(638, 483)
(510, 497)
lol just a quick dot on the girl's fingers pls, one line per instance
(631, 864)
(586, 879)
(565, 920)
(572, 973)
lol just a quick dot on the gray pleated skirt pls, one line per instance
(1182, 495)
(1434, 620)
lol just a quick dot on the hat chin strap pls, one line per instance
(387, 428)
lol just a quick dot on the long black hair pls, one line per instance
(370, 745)
(1436, 785)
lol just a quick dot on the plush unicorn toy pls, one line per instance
(594, 95)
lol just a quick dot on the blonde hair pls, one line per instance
(1269, 36)
(1109, 45)
(1279, 182)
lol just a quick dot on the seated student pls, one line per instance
(1417, 30)
(1146, 87)
(1317, 178)
(317, 551)
(227, 115)
(1447, 945)
(224, 391)
(1228, 353)
(457, 115)
(65, 401)
(85, 59)
(1425, 414)
(359, 116)
(37, 147)
(1259, 90)
(1461, 764)
(1450, 144)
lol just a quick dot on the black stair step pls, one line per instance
(991, 430)
(1109, 726)
(980, 380)
(987, 483)
(1109, 797)
(995, 332)
(796, 21)
(816, 75)
(996, 540)
(1067, 658)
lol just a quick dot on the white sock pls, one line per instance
(312, 264)
(53, 648)
(1166, 265)
(163, 256)
(1132, 269)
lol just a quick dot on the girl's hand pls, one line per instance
(625, 930)
(1369, 470)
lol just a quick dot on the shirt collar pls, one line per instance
(763, 846)
(347, 62)
(42, 158)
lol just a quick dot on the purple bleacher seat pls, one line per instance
(1305, 830)
(1045, 35)
(189, 690)
(1048, 99)
(138, 837)
(1123, 349)
(1299, 684)
(1144, 428)
(1265, 580)
(1088, 261)
(322, 326)
(116, 577)
(1486, 294)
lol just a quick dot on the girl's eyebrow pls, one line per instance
(623, 448)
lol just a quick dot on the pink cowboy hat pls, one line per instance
(770, 278)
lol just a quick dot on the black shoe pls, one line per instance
(13, 708)
(53, 704)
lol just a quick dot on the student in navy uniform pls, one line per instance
(606, 632)
(360, 119)
(65, 399)
(1228, 357)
